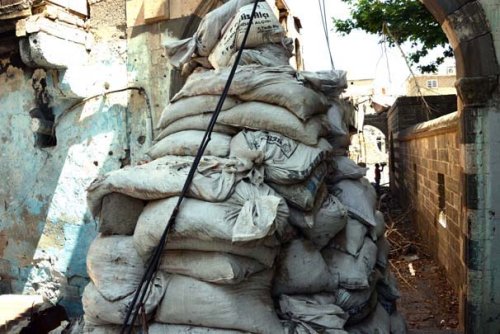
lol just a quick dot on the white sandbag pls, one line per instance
(346, 169)
(188, 142)
(302, 269)
(336, 121)
(331, 83)
(378, 230)
(303, 195)
(307, 309)
(351, 238)
(265, 28)
(294, 327)
(358, 304)
(285, 161)
(383, 249)
(264, 252)
(165, 177)
(158, 328)
(251, 213)
(353, 273)
(114, 266)
(359, 197)
(192, 106)
(321, 225)
(398, 324)
(378, 322)
(387, 287)
(268, 117)
(267, 55)
(207, 35)
(212, 267)
(198, 122)
(100, 311)
(106, 329)
(247, 306)
(276, 85)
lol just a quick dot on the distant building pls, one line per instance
(441, 83)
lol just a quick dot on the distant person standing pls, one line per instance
(378, 174)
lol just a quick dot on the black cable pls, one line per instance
(149, 274)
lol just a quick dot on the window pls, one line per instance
(432, 83)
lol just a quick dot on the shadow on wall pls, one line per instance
(45, 226)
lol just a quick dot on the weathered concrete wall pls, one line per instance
(427, 179)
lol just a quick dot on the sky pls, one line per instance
(360, 54)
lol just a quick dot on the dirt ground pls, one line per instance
(428, 302)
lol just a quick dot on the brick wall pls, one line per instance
(426, 176)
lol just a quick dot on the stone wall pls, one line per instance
(427, 179)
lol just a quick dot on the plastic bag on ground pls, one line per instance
(265, 29)
(377, 322)
(301, 269)
(188, 142)
(165, 177)
(273, 85)
(114, 266)
(353, 273)
(359, 197)
(100, 311)
(351, 238)
(212, 267)
(305, 309)
(207, 35)
(246, 306)
(285, 161)
(321, 225)
(265, 251)
(193, 106)
(251, 213)
(303, 195)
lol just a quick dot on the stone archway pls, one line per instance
(468, 29)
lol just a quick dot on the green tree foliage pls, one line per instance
(399, 21)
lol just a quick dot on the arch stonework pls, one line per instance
(469, 29)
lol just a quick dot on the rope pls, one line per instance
(152, 267)
(324, 22)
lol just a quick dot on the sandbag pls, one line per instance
(212, 267)
(346, 169)
(351, 238)
(359, 197)
(267, 55)
(353, 273)
(192, 106)
(106, 329)
(251, 213)
(285, 161)
(100, 311)
(336, 121)
(119, 214)
(321, 225)
(206, 36)
(188, 142)
(265, 251)
(398, 324)
(358, 304)
(331, 83)
(294, 327)
(313, 312)
(378, 230)
(276, 85)
(265, 29)
(114, 266)
(303, 195)
(383, 248)
(165, 177)
(302, 269)
(158, 328)
(246, 306)
(377, 322)
(387, 287)
(197, 122)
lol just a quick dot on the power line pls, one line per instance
(324, 22)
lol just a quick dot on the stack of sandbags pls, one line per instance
(269, 185)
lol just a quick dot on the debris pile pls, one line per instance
(279, 233)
